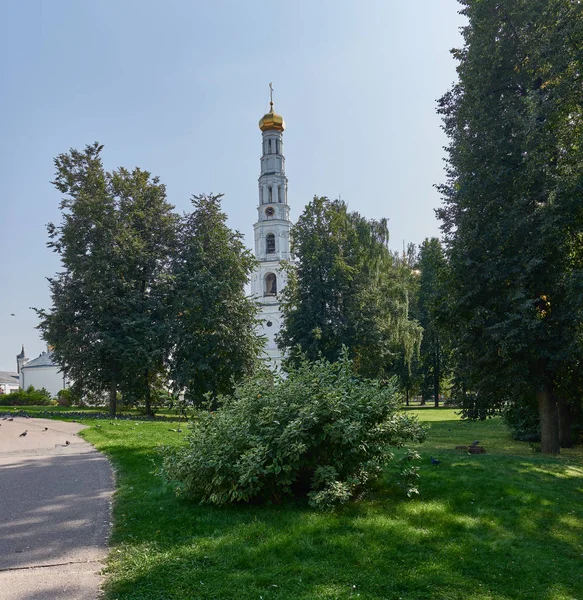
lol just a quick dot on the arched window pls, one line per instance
(270, 284)
(269, 145)
(270, 243)
(270, 194)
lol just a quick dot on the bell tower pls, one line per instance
(272, 243)
(21, 359)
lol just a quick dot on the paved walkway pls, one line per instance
(54, 511)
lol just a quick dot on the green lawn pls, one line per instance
(504, 525)
(40, 411)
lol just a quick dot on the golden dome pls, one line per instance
(272, 121)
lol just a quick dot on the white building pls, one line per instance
(42, 372)
(21, 360)
(9, 382)
(272, 243)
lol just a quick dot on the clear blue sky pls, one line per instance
(177, 88)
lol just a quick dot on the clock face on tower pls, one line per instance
(270, 211)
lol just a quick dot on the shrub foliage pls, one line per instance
(28, 397)
(319, 432)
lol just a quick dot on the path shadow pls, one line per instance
(55, 509)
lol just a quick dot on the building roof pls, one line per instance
(271, 121)
(44, 360)
(9, 377)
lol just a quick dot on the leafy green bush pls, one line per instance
(69, 397)
(94, 399)
(28, 397)
(523, 420)
(320, 432)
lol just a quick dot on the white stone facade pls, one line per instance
(272, 243)
(9, 383)
(49, 378)
(42, 372)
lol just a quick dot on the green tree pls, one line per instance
(512, 211)
(408, 368)
(215, 341)
(147, 243)
(431, 308)
(345, 288)
(114, 242)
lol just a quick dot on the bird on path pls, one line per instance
(434, 461)
(46, 429)
(67, 443)
(23, 434)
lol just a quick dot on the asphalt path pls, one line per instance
(55, 507)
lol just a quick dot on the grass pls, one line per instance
(40, 411)
(37, 410)
(504, 525)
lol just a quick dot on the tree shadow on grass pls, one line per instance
(487, 529)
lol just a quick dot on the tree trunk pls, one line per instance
(148, 397)
(436, 373)
(565, 423)
(406, 396)
(549, 419)
(113, 397)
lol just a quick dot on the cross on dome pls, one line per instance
(271, 120)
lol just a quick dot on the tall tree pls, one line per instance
(146, 244)
(345, 289)
(215, 340)
(512, 213)
(114, 241)
(408, 368)
(431, 307)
